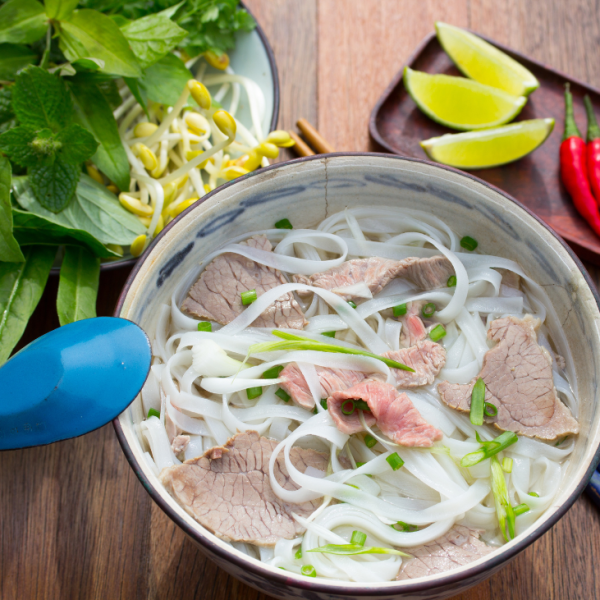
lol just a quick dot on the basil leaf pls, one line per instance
(54, 185)
(41, 100)
(164, 81)
(22, 22)
(90, 33)
(152, 37)
(13, 58)
(78, 144)
(138, 92)
(93, 209)
(94, 113)
(9, 247)
(21, 287)
(78, 285)
(60, 9)
(31, 230)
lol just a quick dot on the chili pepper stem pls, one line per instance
(593, 131)
(570, 125)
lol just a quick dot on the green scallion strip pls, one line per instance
(428, 310)
(205, 326)
(489, 449)
(361, 405)
(348, 407)
(353, 486)
(468, 243)
(534, 494)
(406, 527)
(561, 441)
(353, 549)
(298, 554)
(521, 509)
(284, 224)
(437, 333)
(400, 310)
(248, 297)
(477, 402)
(324, 403)
(490, 410)
(352, 304)
(451, 281)
(359, 538)
(295, 342)
(273, 372)
(254, 392)
(330, 334)
(370, 441)
(395, 461)
(507, 465)
(283, 395)
(504, 510)
(359, 464)
(153, 413)
(308, 570)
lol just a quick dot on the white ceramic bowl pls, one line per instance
(308, 190)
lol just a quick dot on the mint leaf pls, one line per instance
(41, 100)
(13, 58)
(54, 185)
(9, 247)
(22, 22)
(90, 33)
(60, 9)
(16, 144)
(78, 144)
(164, 81)
(152, 37)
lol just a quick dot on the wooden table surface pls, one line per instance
(75, 523)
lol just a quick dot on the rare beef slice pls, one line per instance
(426, 359)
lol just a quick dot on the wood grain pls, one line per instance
(74, 521)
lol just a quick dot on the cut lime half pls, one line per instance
(488, 148)
(483, 62)
(461, 103)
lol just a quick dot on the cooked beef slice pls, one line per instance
(426, 358)
(425, 273)
(413, 328)
(518, 378)
(393, 411)
(180, 443)
(216, 295)
(231, 495)
(460, 546)
(511, 279)
(331, 380)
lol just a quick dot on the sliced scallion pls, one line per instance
(330, 334)
(253, 392)
(248, 297)
(352, 549)
(521, 509)
(361, 405)
(395, 461)
(205, 326)
(561, 441)
(273, 372)
(490, 410)
(324, 403)
(406, 527)
(284, 224)
(428, 310)
(437, 333)
(504, 510)
(370, 441)
(477, 402)
(507, 465)
(308, 570)
(298, 554)
(352, 304)
(359, 538)
(348, 407)
(468, 243)
(451, 281)
(153, 413)
(489, 449)
(399, 310)
(534, 494)
(359, 464)
(283, 395)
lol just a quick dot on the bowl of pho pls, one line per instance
(372, 376)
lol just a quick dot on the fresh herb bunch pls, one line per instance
(60, 66)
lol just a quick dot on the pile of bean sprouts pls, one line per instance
(431, 490)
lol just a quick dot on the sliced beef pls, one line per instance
(393, 411)
(425, 273)
(216, 295)
(331, 380)
(518, 377)
(460, 546)
(348, 424)
(426, 358)
(413, 328)
(231, 494)
(180, 443)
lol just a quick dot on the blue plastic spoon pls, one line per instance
(71, 381)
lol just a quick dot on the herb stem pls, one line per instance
(46, 55)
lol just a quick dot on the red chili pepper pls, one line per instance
(593, 149)
(573, 168)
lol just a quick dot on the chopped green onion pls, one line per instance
(248, 297)
(315, 410)
(406, 527)
(504, 510)
(507, 465)
(205, 326)
(330, 334)
(477, 402)
(451, 281)
(295, 342)
(273, 372)
(359, 464)
(437, 333)
(352, 304)
(534, 494)
(395, 461)
(254, 392)
(284, 224)
(490, 410)
(308, 570)
(561, 441)
(370, 441)
(399, 310)
(348, 407)
(352, 549)
(353, 486)
(489, 449)
(520, 509)
(283, 395)
(282, 568)
(428, 310)
(361, 405)
(468, 243)
(324, 403)
(298, 554)
(153, 413)
(359, 538)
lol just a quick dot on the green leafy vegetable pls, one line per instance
(9, 247)
(164, 81)
(60, 9)
(353, 549)
(138, 93)
(7, 116)
(78, 144)
(54, 185)
(21, 287)
(13, 58)
(78, 285)
(22, 22)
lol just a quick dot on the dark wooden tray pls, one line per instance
(398, 125)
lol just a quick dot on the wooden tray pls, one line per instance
(398, 125)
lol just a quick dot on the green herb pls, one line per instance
(437, 333)
(534, 494)
(164, 81)
(399, 310)
(395, 461)
(298, 554)
(489, 449)
(78, 285)
(248, 298)
(22, 22)
(315, 410)
(504, 510)
(370, 441)
(283, 395)
(9, 247)
(561, 441)
(451, 281)
(330, 334)
(205, 326)
(273, 372)
(428, 310)
(284, 224)
(354, 549)
(13, 58)
(490, 410)
(359, 538)
(359, 464)
(295, 342)
(352, 304)
(253, 392)
(324, 403)
(308, 570)
(406, 527)
(468, 243)
(507, 465)
(477, 402)
(153, 413)
(521, 509)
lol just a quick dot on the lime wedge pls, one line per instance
(490, 147)
(461, 103)
(483, 62)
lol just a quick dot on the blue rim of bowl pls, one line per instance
(117, 264)
(356, 589)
